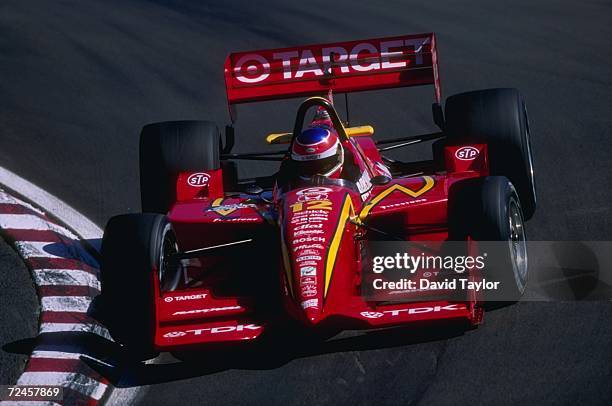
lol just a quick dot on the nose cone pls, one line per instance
(314, 226)
(313, 316)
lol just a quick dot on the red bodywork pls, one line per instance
(305, 260)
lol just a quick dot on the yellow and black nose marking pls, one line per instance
(428, 183)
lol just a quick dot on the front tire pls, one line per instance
(489, 209)
(135, 251)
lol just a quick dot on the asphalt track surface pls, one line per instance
(78, 79)
(19, 315)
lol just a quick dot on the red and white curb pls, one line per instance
(66, 277)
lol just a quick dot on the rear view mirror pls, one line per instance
(380, 180)
(253, 189)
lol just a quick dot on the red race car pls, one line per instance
(217, 259)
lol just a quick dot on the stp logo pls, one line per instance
(198, 179)
(466, 153)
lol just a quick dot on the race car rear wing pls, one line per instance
(343, 67)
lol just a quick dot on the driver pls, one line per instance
(317, 150)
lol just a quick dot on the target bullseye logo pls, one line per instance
(372, 315)
(174, 334)
(252, 68)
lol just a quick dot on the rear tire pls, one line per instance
(133, 249)
(171, 147)
(498, 118)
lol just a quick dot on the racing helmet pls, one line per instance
(317, 151)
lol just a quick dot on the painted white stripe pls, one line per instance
(78, 382)
(79, 304)
(65, 355)
(44, 249)
(30, 249)
(93, 328)
(84, 227)
(32, 222)
(22, 403)
(63, 277)
(55, 354)
(6, 198)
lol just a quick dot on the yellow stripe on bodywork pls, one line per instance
(285, 138)
(332, 253)
(429, 182)
(279, 138)
(359, 131)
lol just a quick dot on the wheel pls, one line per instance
(498, 118)
(135, 251)
(171, 147)
(489, 209)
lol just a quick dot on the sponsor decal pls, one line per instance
(252, 68)
(308, 258)
(310, 303)
(313, 193)
(363, 183)
(317, 219)
(174, 334)
(308, 226)
(209, 310)
(309, 290)
(198, 179)
(308, 239)
(308, 252)
(236, 220)
(313, 190)
(308, 280)
(311, 206)
(308, 271)
(306, 198)
(311, 213)
(214, 330)
(306, 246)
(305, 217)
(169, 299)
(310, 220)
(227, 209)
(401, 204)
(467, 153)
(310, 263)
(307, 232)
(233, 207)
(413, 310)
(372, 315)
